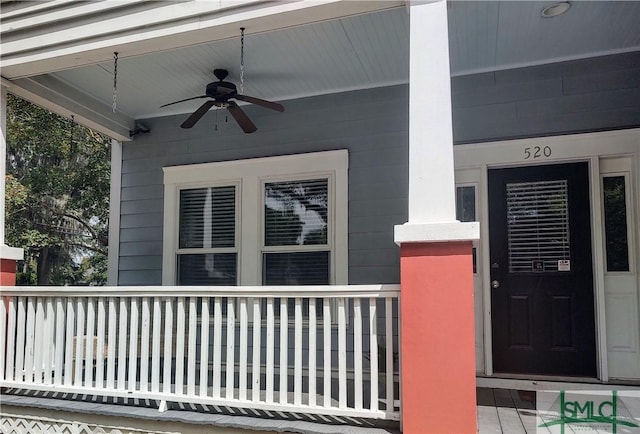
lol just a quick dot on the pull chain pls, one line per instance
(115, 80)
(241, 60)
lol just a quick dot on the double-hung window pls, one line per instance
(265, 221)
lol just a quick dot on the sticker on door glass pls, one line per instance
(564, 265)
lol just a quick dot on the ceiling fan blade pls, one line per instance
(241, 118)
(183, 100)
(195, 116)
(261, 102)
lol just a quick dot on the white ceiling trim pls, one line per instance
(176, 30)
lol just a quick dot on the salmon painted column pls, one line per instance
(437, 313)
(8, 255)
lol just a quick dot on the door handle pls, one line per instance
(495, 284)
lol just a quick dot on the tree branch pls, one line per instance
(92, 231)
(83, 246)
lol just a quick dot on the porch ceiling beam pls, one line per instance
(63, 99)
(135, 32)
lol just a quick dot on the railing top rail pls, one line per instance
(310, 291)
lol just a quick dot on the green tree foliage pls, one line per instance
(57, 193)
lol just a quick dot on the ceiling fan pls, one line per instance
(221, 94)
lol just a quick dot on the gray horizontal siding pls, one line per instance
(569, 97)
(371, 124)
(583, 95)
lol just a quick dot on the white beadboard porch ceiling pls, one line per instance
(362, 51)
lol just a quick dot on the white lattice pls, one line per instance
(16, 424)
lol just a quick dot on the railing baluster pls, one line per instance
(231, 331)
(255, 369)
(204, 346)
(40, 332)
(11, 338)
(242, 380)
(99, 343)
(269, 374)
(326, 350)
(3, 334)
(68, 344)
(312, 352)
(373, 353)
(30, 340)
(123, 331)
(89, 349)
(155, 349)
(388, 313)
(133, 346)
(297, 351)
(58, 359)
(180, 327)
(357, 350)
(342, 354)
(78, 354)
(284, 347)
(217, 346)
(21, 325)
(145, 331)
(112, 343)
(168, 350)
(49, 342)
(191, 347)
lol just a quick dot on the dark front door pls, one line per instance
(542, 305)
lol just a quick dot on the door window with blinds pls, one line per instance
(265, 221)
(538, 226)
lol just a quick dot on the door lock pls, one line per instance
(495, 284)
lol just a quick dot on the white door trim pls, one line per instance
(547, 150)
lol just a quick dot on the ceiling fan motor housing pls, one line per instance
(221, 90)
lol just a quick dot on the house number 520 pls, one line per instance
(535, 152)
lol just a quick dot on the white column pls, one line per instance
(432, 214)
(5, 251)
(114, 213)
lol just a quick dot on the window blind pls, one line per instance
(207, 222)
(537, 225)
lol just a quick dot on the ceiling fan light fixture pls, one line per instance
(555, 9)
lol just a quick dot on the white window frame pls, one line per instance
(250, 176)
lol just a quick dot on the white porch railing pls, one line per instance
(319, 350)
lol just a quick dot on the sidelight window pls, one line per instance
(615, 222)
